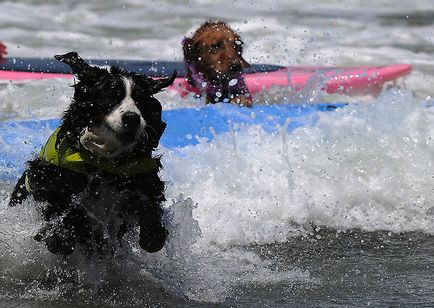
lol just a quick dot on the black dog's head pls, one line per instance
(113, 111)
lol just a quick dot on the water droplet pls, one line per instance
(233, 82)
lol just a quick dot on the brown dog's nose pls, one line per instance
(235, 67)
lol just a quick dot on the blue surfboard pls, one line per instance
(21, 140)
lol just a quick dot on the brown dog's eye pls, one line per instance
(215, 46)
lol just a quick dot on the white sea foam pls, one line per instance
(366, 166)
(206, 273)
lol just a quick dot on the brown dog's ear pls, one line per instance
(244, 63)
(239, 48)
(2, 52)
(190, 50)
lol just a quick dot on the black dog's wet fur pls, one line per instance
(68, 222)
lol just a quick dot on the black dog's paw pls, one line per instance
(152, 239)
(59, 241)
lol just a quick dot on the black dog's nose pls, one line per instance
(131, 120)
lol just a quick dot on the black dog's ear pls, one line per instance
(79, 67)
(159, 84)
(190, 50)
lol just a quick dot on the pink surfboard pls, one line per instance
(340, 80)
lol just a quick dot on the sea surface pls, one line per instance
(339, 214)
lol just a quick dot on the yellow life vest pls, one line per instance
(67, 157)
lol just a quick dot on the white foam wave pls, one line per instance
(366, 166)
(201, 274)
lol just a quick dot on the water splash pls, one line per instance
(366, 166)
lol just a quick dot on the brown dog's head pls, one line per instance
(216, 52)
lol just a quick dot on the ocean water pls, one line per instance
(340, 214)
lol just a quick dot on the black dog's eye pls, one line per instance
(107, 94)
(112, 90)
(139, 95)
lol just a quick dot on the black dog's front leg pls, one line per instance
(146, 202)
(20, 193)
(58, 236)
(152, 232)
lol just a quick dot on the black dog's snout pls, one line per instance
(130, 120)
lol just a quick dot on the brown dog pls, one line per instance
(214, 62)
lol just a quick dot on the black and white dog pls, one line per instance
(96, 174)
